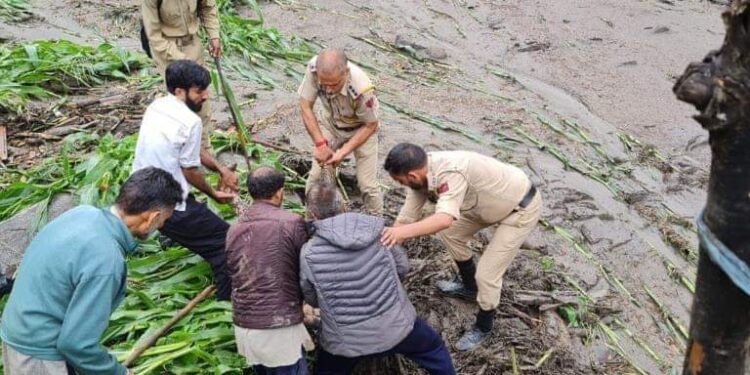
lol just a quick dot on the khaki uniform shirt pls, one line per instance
(354, 106)
(177, 18)
(467, 184)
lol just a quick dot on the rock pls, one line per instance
(556, 328)
(599, 291)
(231, 158)
(16, 232)
(401, 41)
(437, 53)
(494, 22)
(533, 46)
(661, 30)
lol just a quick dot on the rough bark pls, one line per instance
(719, 87)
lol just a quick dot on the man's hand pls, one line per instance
(393, 236)
(214, 47)
(223, 197)
(311, 315)
(336, 159)
(227, 180)
(322, 153)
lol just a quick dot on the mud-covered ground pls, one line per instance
(577, 93)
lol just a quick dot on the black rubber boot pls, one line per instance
(464, 286)
(477, 334)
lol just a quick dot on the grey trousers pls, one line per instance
(15, 363)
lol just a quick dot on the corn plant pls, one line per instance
(44, 69)
(15, 10)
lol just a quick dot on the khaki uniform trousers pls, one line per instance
(193, 50)
(505, 245)
(366, 158)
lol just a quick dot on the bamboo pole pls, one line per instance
(138, 350)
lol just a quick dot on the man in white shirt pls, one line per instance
(170, 139)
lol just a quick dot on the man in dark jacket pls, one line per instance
(355, 281)
(263, 260)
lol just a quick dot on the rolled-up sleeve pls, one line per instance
(210, 17)
(190, 152)
(412, 209)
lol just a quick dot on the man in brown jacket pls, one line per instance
(263, 259)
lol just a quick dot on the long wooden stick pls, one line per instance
(138, 350)
(238, 122)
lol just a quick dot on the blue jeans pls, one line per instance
(299, 368)
(423, 346)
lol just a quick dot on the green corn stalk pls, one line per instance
(641, 343)
(432, 121)
(613, 342)
(15, 10)
(670, 318)
(47, 69)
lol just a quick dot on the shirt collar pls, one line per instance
(122, 235)
(345, 88)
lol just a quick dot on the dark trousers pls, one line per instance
(203, 232)
(299, 368)
(423, 346)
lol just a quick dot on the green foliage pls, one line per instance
(570, 314)
(43, 69)
(251, 47)
(547, 263)
(14, 10)
(161, 282)
(95, 178)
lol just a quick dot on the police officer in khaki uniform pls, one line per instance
(350, 121)
(470, 192)
(172, 30)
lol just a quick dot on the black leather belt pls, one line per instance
(351, 129)
(528, 197)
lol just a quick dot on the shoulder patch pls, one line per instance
(359, 81)
(443, 188)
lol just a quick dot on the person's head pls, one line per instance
(188, 81)
(324, 201)
(407, 164)
(147, 199)
(266, 184)
(332, 70)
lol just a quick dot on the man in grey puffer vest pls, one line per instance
(354, 280)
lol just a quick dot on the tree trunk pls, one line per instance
(719, 87)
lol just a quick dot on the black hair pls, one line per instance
(148, 189)
(264, 182)
(404, 158)
(186, 74)
(323, 201)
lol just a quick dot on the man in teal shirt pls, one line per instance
(73, 276)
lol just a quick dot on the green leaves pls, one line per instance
(15, 10)
(44, 69)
